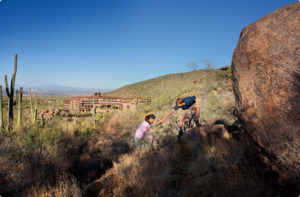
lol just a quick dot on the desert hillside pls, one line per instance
(213, 87)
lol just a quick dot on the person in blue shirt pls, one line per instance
(186, 104)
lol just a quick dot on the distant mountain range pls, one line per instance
(58, 90)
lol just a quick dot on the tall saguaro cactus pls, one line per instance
(33, 112)
(1, 110)
(31, 107)
(42, 119)
(10, 94)
(35, 109)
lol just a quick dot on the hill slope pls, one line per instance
(175, 83)
(212, 86)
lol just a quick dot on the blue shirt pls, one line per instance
(188, 102)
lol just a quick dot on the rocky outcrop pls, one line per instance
(266, 83)
(48, 114)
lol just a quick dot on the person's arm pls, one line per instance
(153, 130)
(165, 118)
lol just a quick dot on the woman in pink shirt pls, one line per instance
(141, 133)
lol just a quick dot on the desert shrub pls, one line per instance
(218, 105)
(224, 75)
(22, 166)
(31, 154)
(191, 167)
(63, 186)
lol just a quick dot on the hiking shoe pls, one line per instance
(197, 123)
(179, 134)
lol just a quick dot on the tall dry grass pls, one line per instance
(63, 186)
(32, 156)
(190, 168)
(33, 153)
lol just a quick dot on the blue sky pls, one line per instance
(112, 43)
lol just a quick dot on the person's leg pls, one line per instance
(150, 140)
(180, 126)
(197, 115)
(137, 151)
(138, 145)
(197, 109)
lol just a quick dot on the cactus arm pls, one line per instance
(16, 62)
(31, 107)
(19, 97)
(12, 86)
(42, 118)
(6, 86)
(35, 110)
(21, 90)
(13, 77)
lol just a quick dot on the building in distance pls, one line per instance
(103, 103)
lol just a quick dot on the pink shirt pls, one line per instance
(140, 132)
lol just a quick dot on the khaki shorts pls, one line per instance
(138, 141)
(186, 114)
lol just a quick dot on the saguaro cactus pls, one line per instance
(35, 109)
(20, 98)
(1, 110)
(31, 108)
(10, 94)
(17, 103)
(42, 119)
(33, 112)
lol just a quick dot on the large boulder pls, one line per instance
(266, 84)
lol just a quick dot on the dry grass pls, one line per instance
(32, 153)
(35, 155)
(189, 168)
(64, 186)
